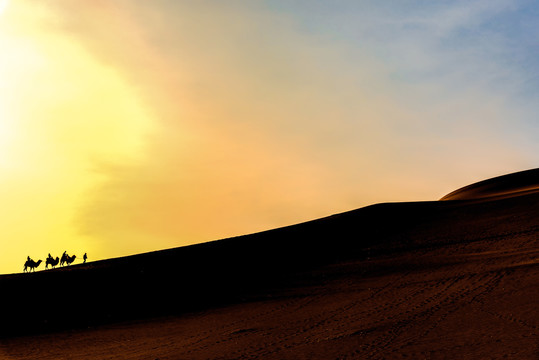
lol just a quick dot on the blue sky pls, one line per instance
(445, 51)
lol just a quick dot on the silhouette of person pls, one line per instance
(85, 257)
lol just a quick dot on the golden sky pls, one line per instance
(128, 127)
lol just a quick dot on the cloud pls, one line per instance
(181, 122)
(265, 118)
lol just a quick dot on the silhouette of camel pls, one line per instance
(64, 258)
(52, 262)
(70, 259)
(31, 264)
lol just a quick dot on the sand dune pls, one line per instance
(502, 186)
(438, 280)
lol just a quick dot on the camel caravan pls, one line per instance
(31, 265)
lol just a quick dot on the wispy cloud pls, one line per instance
(277, 112)
(267, 121)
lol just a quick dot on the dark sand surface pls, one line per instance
(428, 280)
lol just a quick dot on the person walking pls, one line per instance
(85, 257)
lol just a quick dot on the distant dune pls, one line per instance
(436, 280)
(502, 186)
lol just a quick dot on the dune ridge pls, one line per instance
(502, 186)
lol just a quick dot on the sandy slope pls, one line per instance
(435, 280)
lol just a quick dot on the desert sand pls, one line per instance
(450, 279)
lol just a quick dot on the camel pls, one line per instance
(70, 259)
(31, 264)
(63, 259)
(52, 262)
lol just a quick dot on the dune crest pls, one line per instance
(509, 185)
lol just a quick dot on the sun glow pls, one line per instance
(62, 115)
(3, 5)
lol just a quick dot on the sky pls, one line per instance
(133, 126)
